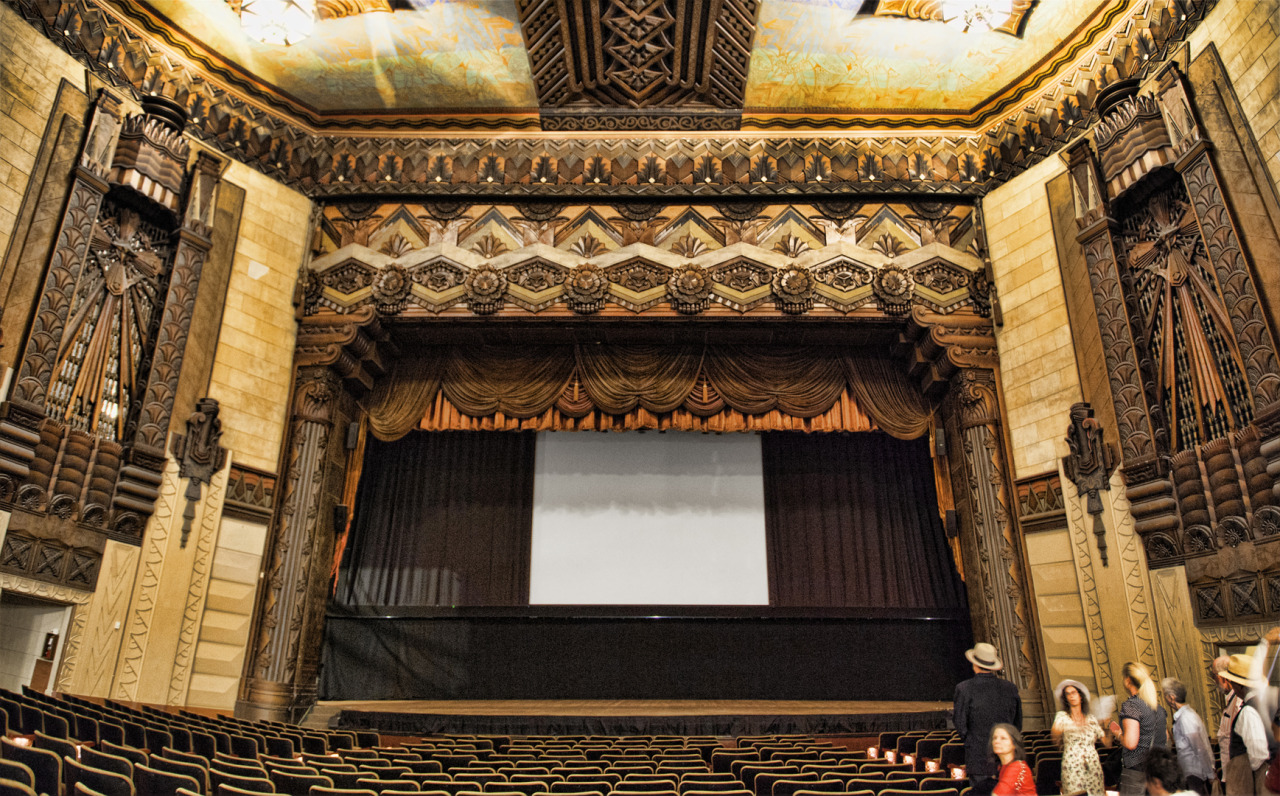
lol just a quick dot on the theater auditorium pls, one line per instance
(616, 397)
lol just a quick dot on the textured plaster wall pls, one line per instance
(254, 357)
(1247, 35)
(1037, 358)
(30, 69)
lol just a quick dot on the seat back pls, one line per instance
(103, 782)
(18, 772)
(45, 765)
(101, 760)
(155, 782)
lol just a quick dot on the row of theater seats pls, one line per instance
(352, 763)
(84, 721)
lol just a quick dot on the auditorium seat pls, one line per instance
(231, 790)
(323, 791)
(789, 786)
(383, 785)
(17, 772)
(155, 782)
(130, 753)
(192, 770)
(228, 783)
(101, 760)
(943, 783)
(11, 787)
(103, 782)
(45, 765)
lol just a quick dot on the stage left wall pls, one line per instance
(156, 617)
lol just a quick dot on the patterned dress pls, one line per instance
(1081, 769)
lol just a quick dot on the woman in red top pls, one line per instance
(1015, 774)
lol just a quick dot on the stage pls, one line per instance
(725, 718)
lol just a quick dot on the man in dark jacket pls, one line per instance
(982, 702)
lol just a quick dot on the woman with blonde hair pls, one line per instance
(1141, 727)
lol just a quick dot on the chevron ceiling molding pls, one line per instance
(639, 64)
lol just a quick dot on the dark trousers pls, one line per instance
(982, 786)
(1200, 786)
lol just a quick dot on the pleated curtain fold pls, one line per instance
(702, 388)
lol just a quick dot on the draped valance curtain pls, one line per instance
(702, 388)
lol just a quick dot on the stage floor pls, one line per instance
(627, 716)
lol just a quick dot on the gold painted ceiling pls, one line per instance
(671, 65)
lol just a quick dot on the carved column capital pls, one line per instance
(315, 393)
(978, 398)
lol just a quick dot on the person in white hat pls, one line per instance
(982, 702)
(1249, 739)
(1076, 730)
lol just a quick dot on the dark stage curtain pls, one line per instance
(442, 519)
(852, 522)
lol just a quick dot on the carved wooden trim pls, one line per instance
(49, 560)
(1257, 347)
(273, 660)
(1040, 503)
(251, 493)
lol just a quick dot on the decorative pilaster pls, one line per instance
(1003, 579)
(337, 356)
(22, 415)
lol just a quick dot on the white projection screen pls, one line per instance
(648, 519)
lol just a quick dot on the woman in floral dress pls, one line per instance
(1075, 730)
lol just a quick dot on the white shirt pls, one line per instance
(1249, 726)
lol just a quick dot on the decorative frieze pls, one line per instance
(50, 560)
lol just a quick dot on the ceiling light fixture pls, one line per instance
(278, 21)
(980, 14)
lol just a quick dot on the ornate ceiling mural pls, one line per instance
(445, 57)
(644, 70)
(823, 58)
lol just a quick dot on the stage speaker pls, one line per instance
(952, 523)
(939, 441)
(353, 436)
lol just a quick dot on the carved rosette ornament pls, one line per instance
(486, 287)
(391, 288)
(793, 289)
(690, 289)
(585, 288)
(893, 289)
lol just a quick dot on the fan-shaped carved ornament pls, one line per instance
(690, 289)
(486, 287)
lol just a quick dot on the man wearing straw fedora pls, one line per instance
(1250, 748)
(982, 702)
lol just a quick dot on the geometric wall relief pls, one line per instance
(50, 560)
(1195, 377)
(423, 260)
